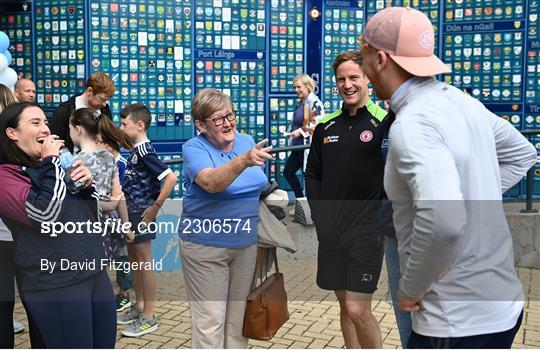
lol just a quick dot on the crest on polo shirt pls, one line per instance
(366, 136)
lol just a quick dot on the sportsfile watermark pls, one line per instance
(181, 225)
(109, 226)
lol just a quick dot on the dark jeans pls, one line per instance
(403, 319)
(293, 164)
(7, 299)
(501, 340)
(82, 315)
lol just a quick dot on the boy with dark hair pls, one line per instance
(144, 197)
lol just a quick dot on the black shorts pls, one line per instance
(142, 232)
(355, 268)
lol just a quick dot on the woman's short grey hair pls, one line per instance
(207, 102)
(306, 80)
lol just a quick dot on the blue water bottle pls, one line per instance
(66, 162)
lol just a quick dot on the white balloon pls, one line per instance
(8, 77)
(3, 62)
(8, 55)
(4, 41)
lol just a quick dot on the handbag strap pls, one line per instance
(257, 270)
(262, 253)
(274, 255)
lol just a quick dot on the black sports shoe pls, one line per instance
(122, 302)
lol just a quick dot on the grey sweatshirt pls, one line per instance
(450, 160)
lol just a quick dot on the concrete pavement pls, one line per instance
(314, 321)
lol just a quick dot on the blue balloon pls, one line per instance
(8, 56)
(4, 41)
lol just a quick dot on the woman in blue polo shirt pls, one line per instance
(223, 179)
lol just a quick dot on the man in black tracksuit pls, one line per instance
(344, 182)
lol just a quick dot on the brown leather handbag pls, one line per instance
(266, 305)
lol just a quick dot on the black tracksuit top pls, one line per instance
(344, 174)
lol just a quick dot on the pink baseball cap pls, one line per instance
(407, 36)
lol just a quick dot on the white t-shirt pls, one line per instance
(313, 102)
(80, 104)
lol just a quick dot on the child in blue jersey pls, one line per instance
(144, 196)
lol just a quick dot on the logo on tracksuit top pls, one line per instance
(331, 139)
(366, 136)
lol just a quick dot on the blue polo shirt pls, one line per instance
(227, 219)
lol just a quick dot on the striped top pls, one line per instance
(35, 198)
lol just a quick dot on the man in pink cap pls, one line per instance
(450, 160)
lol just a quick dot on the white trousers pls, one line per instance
(217, 283)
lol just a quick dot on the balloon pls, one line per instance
(4, 41)
(3, 63)
(8, 77)
(8, 57)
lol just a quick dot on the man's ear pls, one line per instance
(89, 90)
(12, 134)
(382, 59)
(140, 125)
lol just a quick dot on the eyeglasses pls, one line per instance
(219, 121)
(363, 42)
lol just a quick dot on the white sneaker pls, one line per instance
(291, 212)
(17, 326)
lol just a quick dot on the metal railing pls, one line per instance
(529, 185)
(277, 161)
(529, 188)
(273, 151)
